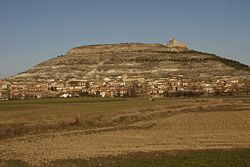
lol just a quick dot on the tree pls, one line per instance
(131, 92)
(98, 93)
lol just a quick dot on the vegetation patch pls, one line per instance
(13, 163)
(208, 158)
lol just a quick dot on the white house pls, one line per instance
(65, 95)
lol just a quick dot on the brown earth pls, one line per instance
(212, 124)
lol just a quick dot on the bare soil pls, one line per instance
(216, 124)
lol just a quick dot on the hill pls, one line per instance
(131, 69)
(135, 59)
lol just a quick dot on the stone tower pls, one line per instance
(174, 45)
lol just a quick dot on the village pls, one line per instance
(121, 86)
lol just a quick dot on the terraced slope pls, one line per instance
(135, 59)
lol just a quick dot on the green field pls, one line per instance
(207, 158)
(59, 109)
(23, 116)
(32, 116)
(27, 111)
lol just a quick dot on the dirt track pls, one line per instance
(178, 130)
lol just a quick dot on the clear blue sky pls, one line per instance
(32, 31)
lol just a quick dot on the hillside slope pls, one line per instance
(135, 59)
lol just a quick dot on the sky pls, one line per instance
(32, 31)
